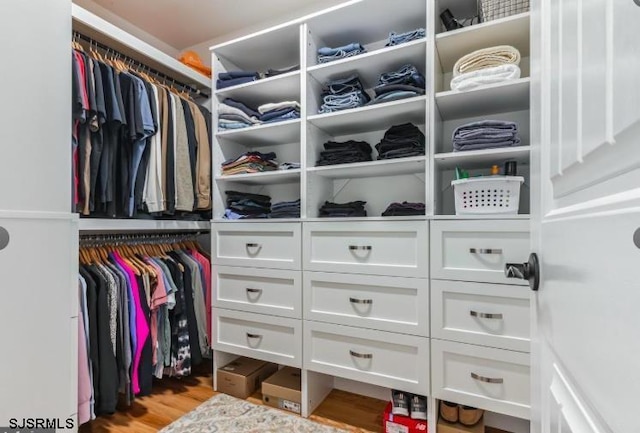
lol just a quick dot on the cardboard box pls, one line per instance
(242, 377)
(401, 424)
(283, 390)
(447, 427)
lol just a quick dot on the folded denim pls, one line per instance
(401, 141)
(400, 38)
(394, 96)
(265, 108)
(238, 195)
(401, 153)
(347, 101)
(293, 114)
(231, 75)
(327, 54)
(406, 74)
(279, 113)
(344, 85)
(231, 215)
(223, 84)
(485, 134)
(274, 72)
(249, 111)
(387, 88)
(283, 204)
(233, 125)
(344, 152)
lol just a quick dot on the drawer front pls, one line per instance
(273, 339)
(478, 250)
(397, 248)
(385, 303)
(491, 379)
(380, 358)
(273, 245)
(493, 315)
(266, 291)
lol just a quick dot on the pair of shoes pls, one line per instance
(465, 415)
(406, 404)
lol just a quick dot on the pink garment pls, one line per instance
(206, 266)
(142, 329)
(158, 297)
(84, 380)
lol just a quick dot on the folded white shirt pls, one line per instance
(264, 108)
(484, 77)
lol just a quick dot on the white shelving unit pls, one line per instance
(266, 178)
(482, 158)
(98, 225)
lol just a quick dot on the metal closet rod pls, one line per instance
(138, 238)
(155, 72)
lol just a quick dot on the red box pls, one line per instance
(401, 424)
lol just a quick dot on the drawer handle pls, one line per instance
(360, 247)
(486, 379)
(253, 335)
(361, 355)
(361, 301)
(250, 290)
(485, 315)
(252, 245)
(485, 250)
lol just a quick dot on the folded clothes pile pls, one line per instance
(406, 82)
(344, 152)
(280, 71)
(234, 114)
(285, 209)
(404, 209)
(250, 162)
(343, 94)
(279, 111)
(401, 38)
(337, 210)
(485, 134)
(235, 78)
(243, 205)
(486, 66)
(401, 141)
(327, 54)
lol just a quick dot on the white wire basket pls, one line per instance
(494, 9)
(487, 195)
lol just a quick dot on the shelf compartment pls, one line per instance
(370, 65)
(372, 117)
(390, 167)
(99, 225)
(270, 133)
(513, 30)
(482, 158)
(267, 178)
(272, 89)
(496, 98)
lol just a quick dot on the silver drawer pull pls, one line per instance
(485, 315)
(249, 290)
(253, 335)
(252, 245)
(361, 301)
(485, 250)
(486, 379)
(360, 247)
(361, 355)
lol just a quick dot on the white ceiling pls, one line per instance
(183, 23)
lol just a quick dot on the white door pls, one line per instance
(586, 99)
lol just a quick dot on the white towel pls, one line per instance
(487, 58)
(484, 77)
(277, 106)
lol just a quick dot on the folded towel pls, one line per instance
(483, 77)
(278, 106)
(487, 58)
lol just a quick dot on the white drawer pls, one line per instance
(273, 339)
(267, 291)
(494, 315)
(398, 248)
(380, 358)
(386, 303)
(272, 245)
(493, 379)
(478, 250)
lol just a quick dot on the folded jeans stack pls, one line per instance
(285, 209)
(486, 66)
(327, 54)
(404, 209)
(243, 205)
(250, 162)
(401, 141)
(234, 114)
(338, 210)
(344, 152)
(406, 82)
(279, 111)
(485, 134)
(235, 78)
(343, 94)
(401, 38)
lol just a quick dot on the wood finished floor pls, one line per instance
(172, 398)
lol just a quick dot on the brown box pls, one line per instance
(242, 377)
(447, 427)
(283, 390)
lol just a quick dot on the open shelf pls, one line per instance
(513, 30)
(372, 117)
(496, 98)
(389, 167)
(100, 225)
(482, 158)
(272, 89)
(266, 178)
(370, 65)
(268, 133)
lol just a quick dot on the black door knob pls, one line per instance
(525, 271)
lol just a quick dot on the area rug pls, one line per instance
(226, 414)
